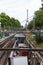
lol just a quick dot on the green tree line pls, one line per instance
(9, 22)
(38, 19)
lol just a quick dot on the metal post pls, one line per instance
(34, 24)
(0, 23)
(27, 20)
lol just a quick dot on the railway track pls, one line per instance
(39, 56)
(34, 46)
(6, 43)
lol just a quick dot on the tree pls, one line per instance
(9, 22)
(30, 25)
(38, 19)
(17, 23)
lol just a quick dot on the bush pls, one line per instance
(41, 38)
(1, 34)
(38, 38)
(6, 34)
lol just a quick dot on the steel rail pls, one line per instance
(20, 49)
(7, 46)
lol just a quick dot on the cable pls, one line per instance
(26, 19)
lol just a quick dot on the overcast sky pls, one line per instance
(18, 8)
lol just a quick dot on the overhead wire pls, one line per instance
(26, 19)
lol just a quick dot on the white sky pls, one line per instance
(18, 8)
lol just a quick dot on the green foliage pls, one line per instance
(38, 38)
(38, 18)
(30, 25)
(9, 22)
(41, 38)
(1, 34)
(4, 34)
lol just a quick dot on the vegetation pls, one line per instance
(3, 34)
(38, 19)
(38, 22)
(38, 44)
(9, 22)
(38, 37)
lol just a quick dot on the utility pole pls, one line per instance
(0, 23)
(34, 24)
(27, 19)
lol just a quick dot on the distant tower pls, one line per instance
(27, 19)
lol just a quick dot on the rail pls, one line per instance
(13, 49)
(6, 43)
(34, 47)
(2, 43)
